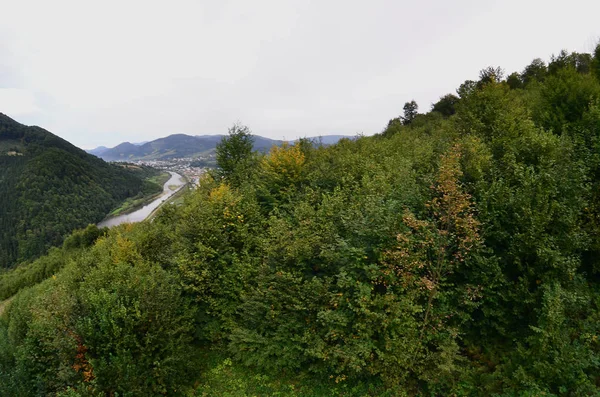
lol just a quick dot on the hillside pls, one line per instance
(456, 253)
(181, 145)
(49, 187)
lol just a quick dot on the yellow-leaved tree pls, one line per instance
(420, 268)
(282, 172)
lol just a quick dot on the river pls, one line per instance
(145, 211)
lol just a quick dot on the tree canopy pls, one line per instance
(234, 152)
(48, 188)
(411, 109)
(455, 255)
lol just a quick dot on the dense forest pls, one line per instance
(49, 187)
(455, 253)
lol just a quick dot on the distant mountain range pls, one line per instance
(181, 145)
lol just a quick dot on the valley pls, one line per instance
(452, 249)
(171, 187)
(52, 187)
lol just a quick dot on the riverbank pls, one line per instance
(176, 199)
(170, 187)
(133, 204)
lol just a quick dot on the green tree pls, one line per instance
(234, 154)
(535, 71)
(490, 75)
(411, 109)
(136, 328)
(563, 99)
(466, 89)
(596, 62)
(580, 62)
(446, 105)
(514, 81)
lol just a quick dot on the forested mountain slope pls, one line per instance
(456, 253)
(49, 187)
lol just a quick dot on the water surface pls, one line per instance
(145, 211)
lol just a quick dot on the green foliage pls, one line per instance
(446, 105)
(411, 109)
(536, 71)
(580, 62)
(84, 238)
(109, 323)
(136, 328)
(514, 81)
(225, 377)
(40, 331)
(234, 154)
(596, 62)
(28, 274)
(215, 235)
(490, 75)
(455, 256)
(564, 98)
(53, 188)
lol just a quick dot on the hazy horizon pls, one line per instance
(207, 135)
(102, 74)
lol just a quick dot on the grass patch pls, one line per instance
(160, 179)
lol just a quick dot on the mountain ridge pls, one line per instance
(183, 145)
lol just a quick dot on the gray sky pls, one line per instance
(104, 72)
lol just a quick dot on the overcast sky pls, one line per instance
(104, 72)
